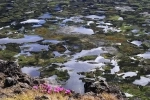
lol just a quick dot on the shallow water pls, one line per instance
(127, 74)
(135, 42)
(52, 41)
(45, 16)
(143, 81)
(37, 21)
(74, 83)
(32, 71)
(95, 17)
(83, 30)
(26, 39)
(145, 55)
(34, 47)
(116, 68)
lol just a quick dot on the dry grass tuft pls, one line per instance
(107, 96)
(30, 95)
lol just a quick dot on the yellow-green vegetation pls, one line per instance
(62, 75)
(16, 36)
(92, 57)
(54, 3)
(7, 55)
(36, 60)
(107, 68)
(42, 30)
(57, 60)
(138, 91)
(116, 38)
(27, 60)
(114, 18)
(107, 55)
(126, 28)
(129, 49)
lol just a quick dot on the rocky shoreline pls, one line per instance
(13, 81)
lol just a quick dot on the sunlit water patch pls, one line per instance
(135, 31)
(35, 26)
(116, 67)
(107, 28)
(32, 71)
(45, 16)
(34, 47)
(145, 55)
(52, 80)
(75, 19)
(74, 66)
(95, 17)
(143, 81)
(82, 30)
(127, 74)
(128, 95)
(137, 43)
(52, 41)
(34, 21)
(74, 83)
(124, 8)
(26, 39)
(101, 59)
(75, 30)
(94, 51)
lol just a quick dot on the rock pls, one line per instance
(3, 95)
(39, 81)
(76, 95)
(96, 87)
(99, 85)
(18, 91)
(13, 80)
(9, 68)
(24, 85)
(9, 82)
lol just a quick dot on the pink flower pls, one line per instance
(35, 87)
(67, 91)
(61, 89)
(57, 89)
(49, 91)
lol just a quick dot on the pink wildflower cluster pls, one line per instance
(46, 88)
